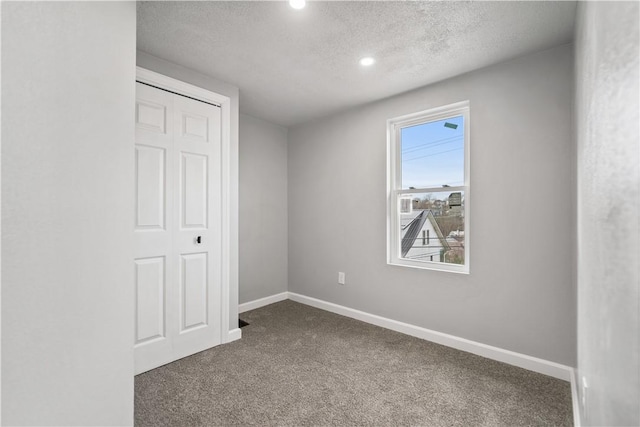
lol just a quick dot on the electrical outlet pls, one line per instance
(341, 278)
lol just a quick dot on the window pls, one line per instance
(428, 189)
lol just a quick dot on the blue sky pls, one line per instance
(432, 154)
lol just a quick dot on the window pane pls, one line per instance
(432, 227)
(433, 154)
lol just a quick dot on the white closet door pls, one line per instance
(177, 227)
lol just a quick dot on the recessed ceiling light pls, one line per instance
(367, 61)
(297, 4)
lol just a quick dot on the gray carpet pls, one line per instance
(297, 365)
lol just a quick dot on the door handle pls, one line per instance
(199, 239)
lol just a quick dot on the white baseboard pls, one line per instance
(233, 335)
(575, 399)
(252, 305)
(534, 364)
(531, 363)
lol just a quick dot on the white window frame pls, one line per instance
(394, 184)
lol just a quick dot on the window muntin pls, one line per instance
(428, 200)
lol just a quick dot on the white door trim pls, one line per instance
(229, 257)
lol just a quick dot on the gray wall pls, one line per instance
(68, 72)
(188, 75)
(263, 209)
(520, 294)
(607, 111)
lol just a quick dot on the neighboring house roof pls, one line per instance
(455, 243)
(414, 227)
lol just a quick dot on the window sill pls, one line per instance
(450, 268)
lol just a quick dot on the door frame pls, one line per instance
(229, 187)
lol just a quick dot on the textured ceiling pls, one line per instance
(293, 66)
